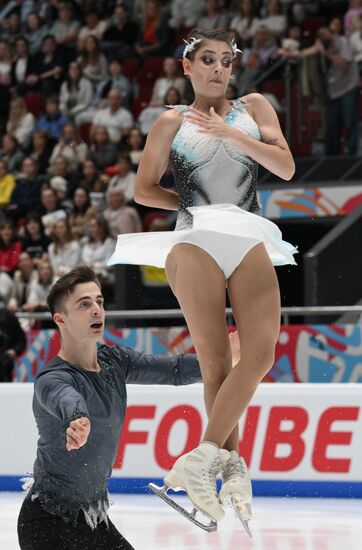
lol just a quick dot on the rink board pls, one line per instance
(298, 439)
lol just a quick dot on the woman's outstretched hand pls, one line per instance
(212, 124)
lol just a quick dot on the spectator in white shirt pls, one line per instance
(185, 13)
(92, 61)
(65, 28)
(64, 252)
(40, 287)
(93, 26)
(76, 92)
(35, 30)
(6, 288)
(149, 114)
(115, 118)
(22, 279)
(213, 18)
(70, 147)
(21, 122)
(125, 179)
(275, 21)
(120, 218)
(98, 247)
(171, 79)
(246, 23)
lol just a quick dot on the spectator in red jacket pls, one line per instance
(10, 247)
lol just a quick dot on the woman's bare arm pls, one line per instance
(273, 151)
(154, 161)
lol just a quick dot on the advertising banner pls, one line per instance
(298, 439)
(304, 353)
(310, 201)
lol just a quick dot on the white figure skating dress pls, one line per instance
(218, 206)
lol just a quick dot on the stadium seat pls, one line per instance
(311, 26)
(151, 217)
(130, 68)
(141, 102)
(151, 70)
(154, 65)
(35, 104)
(84, 131)
(275, 87)
(311, 124)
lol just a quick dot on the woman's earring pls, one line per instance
(232, 76)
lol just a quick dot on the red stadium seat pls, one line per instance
(275, 87)
(141, 101)
(311, 121)
(35, 104)
(150, 217)
(137, 106)
(311, 26)
(84, 131)
(154, 65)
(151, 70)
(130, 68)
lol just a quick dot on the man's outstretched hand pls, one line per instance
(77, 433)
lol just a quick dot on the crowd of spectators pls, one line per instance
(80, 85)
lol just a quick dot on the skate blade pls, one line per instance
(236, 504)
(191, 516)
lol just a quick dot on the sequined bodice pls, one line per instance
(209, 170)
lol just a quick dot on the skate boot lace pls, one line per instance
(203, 481)
(232, 470)
(211, 474)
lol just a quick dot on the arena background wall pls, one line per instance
(304, 353)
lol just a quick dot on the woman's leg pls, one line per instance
(199, 285)
(255, 300)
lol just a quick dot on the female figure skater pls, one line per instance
(214, 146)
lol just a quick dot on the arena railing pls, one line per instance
(286, 313)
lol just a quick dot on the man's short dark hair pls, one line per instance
(66, 284)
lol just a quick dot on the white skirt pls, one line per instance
(224, 231)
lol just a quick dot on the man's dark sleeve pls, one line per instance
(56, 394)
(160, 369)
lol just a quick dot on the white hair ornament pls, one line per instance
(234, 48)
(190, 45)
(193, 41)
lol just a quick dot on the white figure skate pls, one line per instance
(195, 473)
(236, 487)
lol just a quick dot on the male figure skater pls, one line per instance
(79, 405)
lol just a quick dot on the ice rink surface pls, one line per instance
(278, 524)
